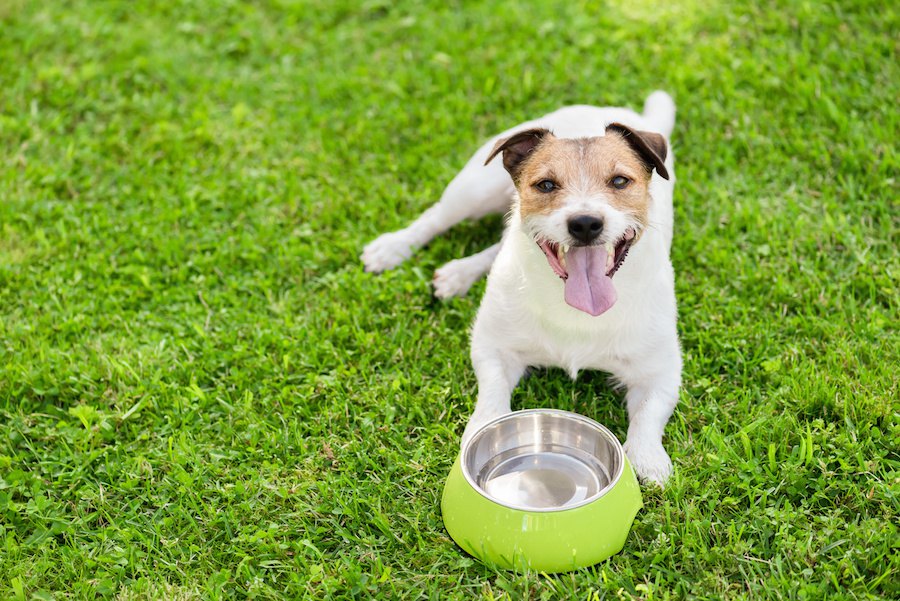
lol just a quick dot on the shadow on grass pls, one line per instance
(590, 394)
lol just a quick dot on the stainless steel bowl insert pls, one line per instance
(542, 460)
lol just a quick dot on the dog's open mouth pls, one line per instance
(588, 271)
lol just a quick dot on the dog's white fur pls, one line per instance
(523, 319)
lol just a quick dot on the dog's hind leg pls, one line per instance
(456, 277)
(476, 191)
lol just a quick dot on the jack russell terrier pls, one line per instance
(581, 278)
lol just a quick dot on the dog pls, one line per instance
(581, 278)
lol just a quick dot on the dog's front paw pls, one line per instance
(386, 252)
(476, 422)
(471, 428)
(650, 461)
(453, 279)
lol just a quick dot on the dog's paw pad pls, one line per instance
(453, 279)
(651, 463)
(386, 252)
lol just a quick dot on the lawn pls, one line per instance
(202, 394)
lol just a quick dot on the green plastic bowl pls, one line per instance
(541, 489)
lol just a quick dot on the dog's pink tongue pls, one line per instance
(587, 287)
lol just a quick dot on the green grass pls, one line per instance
(202, 395)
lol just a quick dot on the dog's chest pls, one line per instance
(524, 311)
(546, 343)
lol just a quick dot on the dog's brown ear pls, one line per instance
(650, 146)
(517, 147)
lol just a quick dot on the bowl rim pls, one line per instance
(600, 428)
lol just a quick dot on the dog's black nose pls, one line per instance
(585, 228)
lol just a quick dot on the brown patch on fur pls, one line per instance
(649, 145)
(586, 167)
(517, 148)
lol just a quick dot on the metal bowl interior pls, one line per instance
(542, 460)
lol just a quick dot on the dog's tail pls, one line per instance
(659, 110)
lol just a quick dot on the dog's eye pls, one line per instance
(546, 185)
(619, 182)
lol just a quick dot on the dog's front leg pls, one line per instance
(650, 404)
(498, 372)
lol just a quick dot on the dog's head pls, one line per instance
(585, 201)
